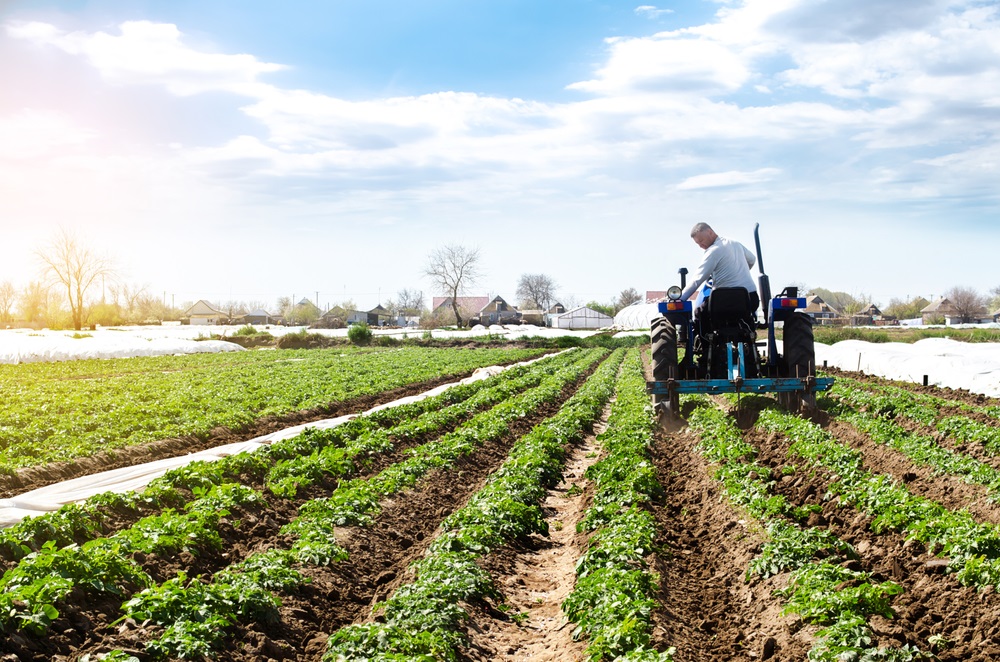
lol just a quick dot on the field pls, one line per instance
(539, 514)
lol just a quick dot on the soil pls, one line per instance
(708, 610)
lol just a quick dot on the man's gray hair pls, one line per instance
(700, 227)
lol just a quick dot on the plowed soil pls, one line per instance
(707, 608)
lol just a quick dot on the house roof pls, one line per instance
(815, 304)
(379, 309)
(260, 312)
(942, 305)
(202, 307)
(872, 309)
(465, 303)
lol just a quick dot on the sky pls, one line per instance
(255, 150)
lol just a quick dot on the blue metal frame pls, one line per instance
(757, 385)
(681, 312)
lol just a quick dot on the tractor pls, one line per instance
(718, 332)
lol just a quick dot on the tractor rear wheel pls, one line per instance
(663, 337)
(798, 360)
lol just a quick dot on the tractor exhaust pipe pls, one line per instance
(763, 283)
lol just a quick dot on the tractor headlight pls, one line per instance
(674, 293)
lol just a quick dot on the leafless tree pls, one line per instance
(995, 299)
(626, 298)
(234, 309)
(969, 304)
(126, 296)
(410, 302)
(7, 297)
(536, 291)
(453, 268)
(33, 302)
(75, 267)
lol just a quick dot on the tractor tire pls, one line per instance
(663, 337)
(798, 360)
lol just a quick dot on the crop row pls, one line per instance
(891, 402)
(973, 549)
(104, 564)
(613, 600)
(862, 410)
(422, 619)
(67, 410)
(826, 586)
(195, 613)
(337, 451)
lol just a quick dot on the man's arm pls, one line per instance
(704, 271)
(751, 258)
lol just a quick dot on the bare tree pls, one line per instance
(969, 304)
(234, 309)
(995, 299)
(74, 266)
(626, 298)
(536, 291)
(410, 302)
(7, 297)
(452, 269)
(33, 303)
(126, 296)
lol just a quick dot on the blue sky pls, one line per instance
(301, 147)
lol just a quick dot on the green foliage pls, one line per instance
(249, 330)
(359, 334)
(790, 548)
(30, 591)
(60, 411)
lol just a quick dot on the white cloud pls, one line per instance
(727, 179)
(671, 63)
(651, 11)
(153, 53)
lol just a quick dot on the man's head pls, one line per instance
(703, 235)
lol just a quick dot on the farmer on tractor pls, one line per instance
(725, 261)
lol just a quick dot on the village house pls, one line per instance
(205, 313)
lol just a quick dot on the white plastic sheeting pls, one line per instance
(27, 346)
(52, 497)
(24, 346)
(636, 316)
(972, 366)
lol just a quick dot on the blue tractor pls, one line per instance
(718, 333)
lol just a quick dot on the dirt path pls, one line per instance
(535, 580)
(706, 608)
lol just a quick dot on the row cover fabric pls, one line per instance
(948, 363)
(126, 479)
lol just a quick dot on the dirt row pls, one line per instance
(335, 596)
(934, 613)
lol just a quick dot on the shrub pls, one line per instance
(247, 330)
(359, 334)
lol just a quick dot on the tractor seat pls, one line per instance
(729, 306)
